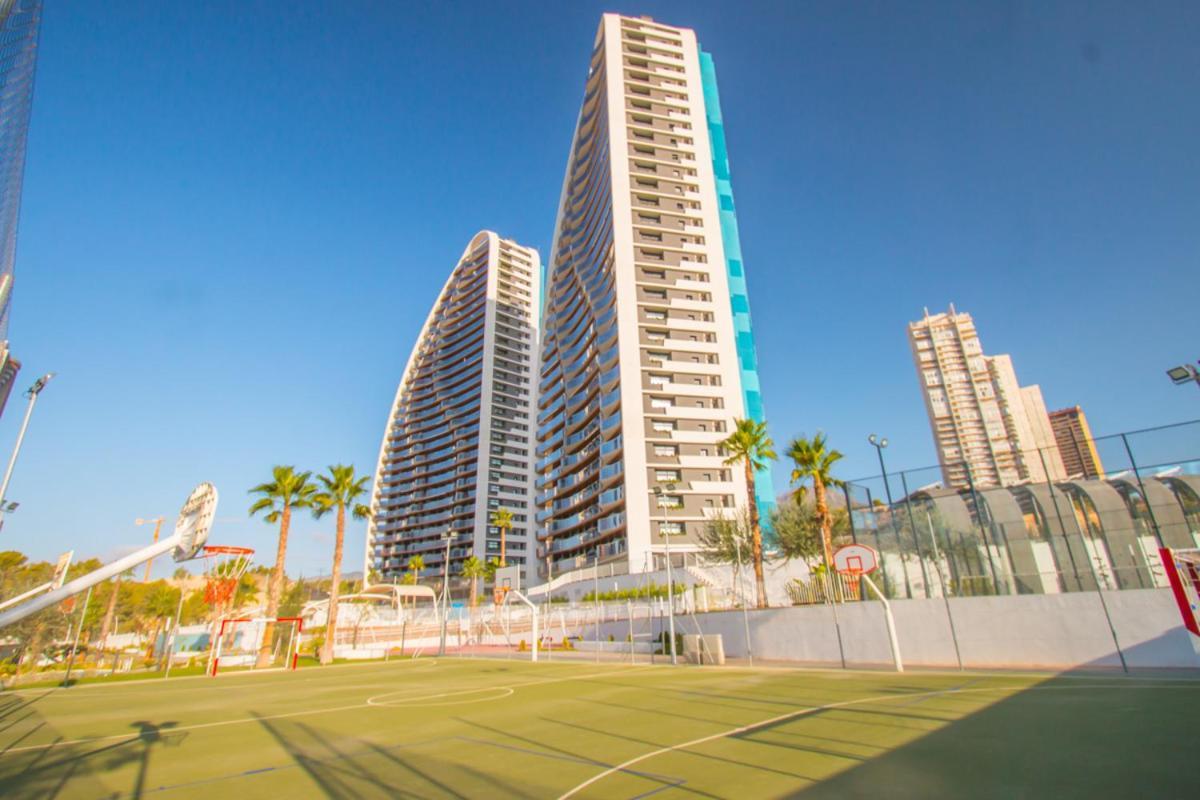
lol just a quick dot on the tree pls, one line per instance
(110, 614)
(728, 539)
(473, 569)
(339, 489)
(813, 461)
(750, 445)
(415, 565)
(158, 605)
(289, 490)
(502, 518)
(797, 531)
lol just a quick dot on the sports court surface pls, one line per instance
(490, 729)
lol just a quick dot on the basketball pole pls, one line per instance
(891, 623)
(89, 580)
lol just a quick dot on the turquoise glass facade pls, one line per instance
(764, 489)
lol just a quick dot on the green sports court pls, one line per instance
(467, 728)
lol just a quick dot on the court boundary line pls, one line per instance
(286, 715)
(1016, 690)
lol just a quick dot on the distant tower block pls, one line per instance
(989, 430)
(459, 437)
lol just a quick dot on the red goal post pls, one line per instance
(1183, 574)
(239, 640)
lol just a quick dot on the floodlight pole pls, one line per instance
(879, 444)
(32, 393)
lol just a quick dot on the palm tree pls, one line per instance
(750, 444)
(415, 565)
(814, 461)
(473, 569)
(502, 518)
(289, 490)
(339, 489)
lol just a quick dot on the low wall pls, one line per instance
(1017, 631)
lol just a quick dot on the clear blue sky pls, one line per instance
(237, 215)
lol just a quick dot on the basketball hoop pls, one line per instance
(854, 561)
(224, 566)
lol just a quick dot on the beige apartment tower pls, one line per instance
(1076, 444)
(989, 430)
(648, 356)
(458, 443)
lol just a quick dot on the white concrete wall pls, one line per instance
(1018, 632)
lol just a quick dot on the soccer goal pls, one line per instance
(1183, 574)
(239, 641)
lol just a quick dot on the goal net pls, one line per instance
(239, 642)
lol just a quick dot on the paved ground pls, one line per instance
(489, 728)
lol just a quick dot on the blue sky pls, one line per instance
(237, 215)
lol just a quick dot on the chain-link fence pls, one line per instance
(956, 530)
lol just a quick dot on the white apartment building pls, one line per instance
(459, 437)
(647, 351)
(989, 430)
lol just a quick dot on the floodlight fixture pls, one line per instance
(1184, 373)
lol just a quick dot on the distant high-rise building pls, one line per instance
(648, 354)
(989, 430)
(20, 21)
(459, 438)
(1076, 444)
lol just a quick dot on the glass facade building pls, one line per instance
(648, 355)
(459, 437)
(19, 25)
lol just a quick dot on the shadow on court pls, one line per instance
(73, 770)
(345, 769)
(1069, 736)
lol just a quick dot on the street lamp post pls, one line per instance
(879, 444)
(447, 537)
(1184, 373)
(658, 493)
(32, 394)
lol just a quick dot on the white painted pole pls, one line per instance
(34, 391)
(891, 624)
(89, 580)
(174, 633)
(26, 595)
(75, 642)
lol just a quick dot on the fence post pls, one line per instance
(982, 530)
(1061, 524)
(912, 524)
(1142, 488)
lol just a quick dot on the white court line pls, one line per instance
(401, 702)
(68, 691)
(244, 720)
(812, 710)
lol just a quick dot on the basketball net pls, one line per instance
(853, 577)
(224, 567)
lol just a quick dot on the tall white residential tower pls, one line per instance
(989, 430)
(459, 438)
(648, 354)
